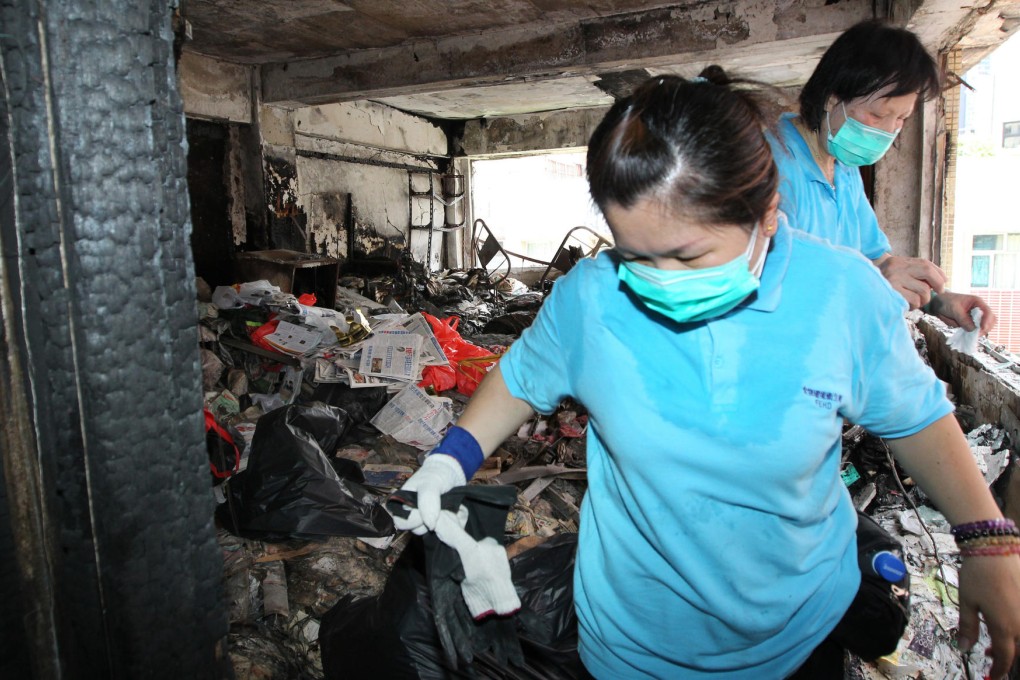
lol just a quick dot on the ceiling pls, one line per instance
(483, 58)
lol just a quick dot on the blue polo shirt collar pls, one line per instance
(798, 146)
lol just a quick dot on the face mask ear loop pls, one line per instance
(828, 123)
(759, 264)
(750, 243)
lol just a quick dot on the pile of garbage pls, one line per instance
(317, 416)
(468, 294)
(884, 492)
(313, 417)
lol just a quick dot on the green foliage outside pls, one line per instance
(976, 148)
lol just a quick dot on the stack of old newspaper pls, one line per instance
(399, 346)
(393, 356)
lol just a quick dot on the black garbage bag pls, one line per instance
(460, 636)
(547, 622)
(878, 616)
(395, 635)
(290, 489)
(359, 404)
(513, 323)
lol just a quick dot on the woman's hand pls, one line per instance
(913, 277)
(954, 309)
(437, 475)
(990, 590)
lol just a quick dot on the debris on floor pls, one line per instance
(315, 416)
(927, 649)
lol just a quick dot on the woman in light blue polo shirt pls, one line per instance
(851, 110)
(717, 351)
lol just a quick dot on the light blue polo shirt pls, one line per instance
(716, 538)
(840, 212)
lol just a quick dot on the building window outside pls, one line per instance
(1011, 135)
(983, 223)
(979, 271)
(557, 168)
(994, 263)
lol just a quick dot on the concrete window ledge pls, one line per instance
(984, 383)
(984, 387)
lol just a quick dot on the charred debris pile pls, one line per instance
(315, 416)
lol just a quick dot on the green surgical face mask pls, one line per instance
(695, 294)
(858, 144)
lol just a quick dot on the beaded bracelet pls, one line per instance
(990, 537)
(982, 533)
(991, 551)
(989, 540)
(984, 525)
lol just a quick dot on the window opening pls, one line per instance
(985, 224)
(530, 203)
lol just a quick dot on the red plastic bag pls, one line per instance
(224, 453)
(468, 363)
(441, 378)
(268, 328)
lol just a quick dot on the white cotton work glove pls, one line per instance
(967, 341)
(487, 586)
(437, 475)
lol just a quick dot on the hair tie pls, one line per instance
(698, 79)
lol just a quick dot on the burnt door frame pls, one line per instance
(106, 484)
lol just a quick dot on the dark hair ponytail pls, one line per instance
(697, 144)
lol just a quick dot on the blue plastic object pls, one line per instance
(887, 565)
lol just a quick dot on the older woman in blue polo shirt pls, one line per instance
(851, 110)
(718, 351)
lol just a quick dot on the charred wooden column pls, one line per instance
(108, 560)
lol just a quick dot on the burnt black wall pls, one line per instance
(14, 659)
(106, 484)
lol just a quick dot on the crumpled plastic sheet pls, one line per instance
(991, 451)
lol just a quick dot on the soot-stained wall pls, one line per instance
(340, 169)
(111, 509)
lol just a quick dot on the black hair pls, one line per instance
(866, 58)
(699, 144)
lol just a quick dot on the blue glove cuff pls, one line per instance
(462, 445)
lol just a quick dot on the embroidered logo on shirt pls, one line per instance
(824, 399)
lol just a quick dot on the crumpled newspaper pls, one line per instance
(967, 341)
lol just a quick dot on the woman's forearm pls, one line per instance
(493, 414)
(938, 458)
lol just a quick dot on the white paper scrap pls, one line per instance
(413, 417)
